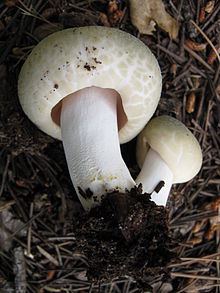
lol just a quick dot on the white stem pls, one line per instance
(91, 144)
(154, 171)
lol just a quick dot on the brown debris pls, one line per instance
(103, 18)
(202, 15)
(190, 102)
(195, 46)
(209, 7)
(173, 69)
(113, 16)
(213, 56)
(49, 12)
(11, 3)
(1, 26)
(114, 13)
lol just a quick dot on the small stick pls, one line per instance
(62, 238)
(4, 176)
(212, 16)
(18, 204)
(59, 255)
(178, 59)
(29, 231)
(48, 256)
(192, 276)
(189, 261)
(198, 58)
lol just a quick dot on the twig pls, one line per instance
(29, 231)
(25, 218)
(47, 255)
(179, 59)
(198, 58)
(5, 173)
(192, 276)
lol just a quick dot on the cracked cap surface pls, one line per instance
(75, 58)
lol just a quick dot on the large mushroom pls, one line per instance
(84, 85)
(168, 153)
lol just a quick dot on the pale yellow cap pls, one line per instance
(176, 145)
(75, 58)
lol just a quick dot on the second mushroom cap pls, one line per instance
(176, 145)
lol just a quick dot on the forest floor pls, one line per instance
(47, 243)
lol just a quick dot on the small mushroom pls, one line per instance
(168, 153)
(91, 87)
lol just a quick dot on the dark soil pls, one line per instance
(125, 236)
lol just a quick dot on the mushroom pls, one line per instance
(91, 87)
(168, 153)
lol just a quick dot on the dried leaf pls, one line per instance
(214, 222)
(195, 240)
(210, 6)
(112, 6)
(199, 226)
(146, 13)
(116, 17)
(50, 275)
(214, 205)
(195, 46)
(210, 233)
